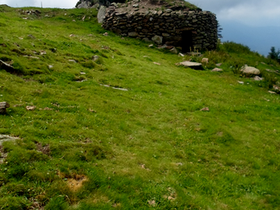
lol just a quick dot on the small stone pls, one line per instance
(257, 78)
(272, 92)
(132, 34)
(275, 87)
(165, 34)
(205, 109)
(174, 50)
(31, 36)
(146, 39)
(218, 64)
(95, 57)
(3, 106)
(82, 73)
(4, 138)
(193, 65)
(151, 45)
(122, 89)
(171, 198)
(156, 63)
(205, 60)
(30, 108)
(152, 203)
(157, 39)
(249, 70)
(101, 14)
(72, 61)
(240, 82)
(105, 34)
(217, 70)
(135, 5)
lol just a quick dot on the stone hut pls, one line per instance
(186, 29)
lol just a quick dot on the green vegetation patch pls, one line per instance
(106, 122)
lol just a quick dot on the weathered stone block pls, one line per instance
(133, 34)
(157, 39)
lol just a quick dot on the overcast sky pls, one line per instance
(230, 13)
(249, 12)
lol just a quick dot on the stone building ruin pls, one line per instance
(188, 30)
(185, 27)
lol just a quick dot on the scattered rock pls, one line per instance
(132, 34)
(82, 73)
(240, 82)
(174, 50)
(257, 78)
(180, 54)
(31, 36)
(34, 57)
(156, 63)
(276, 88)
(105, 34)
(151, 45)
(152, 203)
(91, 110)
(84, 4)
(50, 66)
(205, 60)
(95, 58)
(3, 106)
(272, 92)
(6, 66)
(193, 65)
(46, 109)
(218, 64)
(157, 39)
(117, 88)
(250, 71)
(30, 108)
(205, 109)
(170, 198)
(135, 5)
(146, 39)
(4, 138)
(217, 70)
(114, 4)
(101, 14)
(72, 61)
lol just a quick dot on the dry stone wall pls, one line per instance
(189, 30)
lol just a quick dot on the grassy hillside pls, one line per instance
(123, 132)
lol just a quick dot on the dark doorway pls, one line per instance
(187, 41)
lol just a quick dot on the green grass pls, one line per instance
(148, 147)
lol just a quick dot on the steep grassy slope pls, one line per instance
(124, 132)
